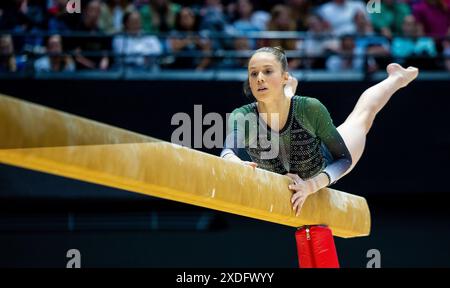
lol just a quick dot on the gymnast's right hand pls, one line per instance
(235, 158)
(251, 164)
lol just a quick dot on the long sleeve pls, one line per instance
(235, 139)
(327, 132)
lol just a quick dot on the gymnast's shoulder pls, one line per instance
(245, 109)
(307, 102)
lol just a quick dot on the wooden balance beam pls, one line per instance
(43, 139)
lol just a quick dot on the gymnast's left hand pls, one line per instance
(302, 189)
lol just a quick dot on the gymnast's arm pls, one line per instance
(231, 150)
(327, 132)
(229, 155)
(234, 142)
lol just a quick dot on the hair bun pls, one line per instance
(279, 48)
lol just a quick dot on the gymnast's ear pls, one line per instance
(285, 77)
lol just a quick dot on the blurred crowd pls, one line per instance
(337, 35)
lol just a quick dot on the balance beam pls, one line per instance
(46, 140)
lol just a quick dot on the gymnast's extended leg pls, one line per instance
(358, 123)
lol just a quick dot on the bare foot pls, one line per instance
(404, 76)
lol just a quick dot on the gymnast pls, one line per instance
(312, 151)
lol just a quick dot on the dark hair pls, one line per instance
(177, 24)
(125, 18)
(279, 54)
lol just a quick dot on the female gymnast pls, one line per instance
(312, 151)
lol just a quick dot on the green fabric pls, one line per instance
(390, 17)
(147, 17)
(309, 111)
(308, 143)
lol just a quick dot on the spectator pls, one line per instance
(240, 44)
(95, 44)
(433, 17)
(244, 25)
(282, 21)
(159, 16)
(135, 50)
(22, 15)
(187, 38)
(214, 20)
(362, 24)
(59, 20)
(112, 13)
(348, 58)
(300, 11)
(9, 62)
(339, 15)
(316, 43)
(390, 20)
(212, 16)
(410, 44)
(54, 61)
(260, 18)
(375, 46)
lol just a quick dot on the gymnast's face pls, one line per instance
(266, 76)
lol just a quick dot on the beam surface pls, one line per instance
(43, 139)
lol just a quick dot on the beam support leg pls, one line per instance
(315, 247)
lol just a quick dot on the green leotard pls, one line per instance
(308, 143)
